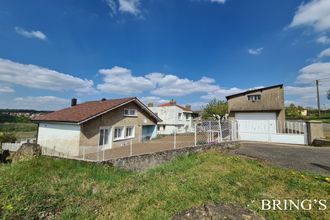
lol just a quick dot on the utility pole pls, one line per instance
(318, 97)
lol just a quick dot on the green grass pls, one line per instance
(71, 189)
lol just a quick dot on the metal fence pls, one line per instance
(204, 133)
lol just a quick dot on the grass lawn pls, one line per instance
(71, 189)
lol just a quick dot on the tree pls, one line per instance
(215, 107)
(7, 138)
(293, 111)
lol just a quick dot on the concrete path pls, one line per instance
(302, 158)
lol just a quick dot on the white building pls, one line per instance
(175, 118)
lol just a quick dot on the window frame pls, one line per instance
(253, 98)
(105, 136)
(128, 114)
(121, 132)
(132, 132)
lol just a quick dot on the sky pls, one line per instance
(188, 50)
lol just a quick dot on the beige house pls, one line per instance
(258, 104)
(101, 124)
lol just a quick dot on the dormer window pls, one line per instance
(254, 98)
(130, 112)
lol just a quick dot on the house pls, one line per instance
(257, 109)
(175, 118)
(103, 124)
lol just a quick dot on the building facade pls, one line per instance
(104, 124)
(175, 118)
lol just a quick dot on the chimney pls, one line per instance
(150, 104)
(73, 102)
(188, 107)
(173, 102)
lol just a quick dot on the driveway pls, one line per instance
(302, 158)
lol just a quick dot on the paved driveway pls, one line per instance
(303, 158)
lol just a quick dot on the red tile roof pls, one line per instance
(83, 111)
(174, 104)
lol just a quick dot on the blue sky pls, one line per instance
(189, 50)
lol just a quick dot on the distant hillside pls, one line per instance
(19, 115)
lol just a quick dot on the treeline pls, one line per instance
(13, 119)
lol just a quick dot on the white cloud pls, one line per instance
(6, 89)
(112, 6)
(310, 73)
(325, 53)
(221, 93)
(256, 51)
(303, 92)
(153, 99)
(315, 14)
(33, 76)
(31, 34)
(41, 102)
(132, 7)
(323, 40)
(120, 80)
(171, 85)
(218, 1)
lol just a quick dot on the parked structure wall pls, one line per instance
(61, 137)
(272, 100)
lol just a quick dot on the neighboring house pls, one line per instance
(105, 123)
(258, 109)
(175, 118)
(303, 112)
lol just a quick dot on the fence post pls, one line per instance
(131, 148)
(174, 137)
(84, 152)
(103, 155)
(220, 131)
(98, 153)
(195, 134)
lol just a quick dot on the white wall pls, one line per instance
(169, 116)
(64, 137)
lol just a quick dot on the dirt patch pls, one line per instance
(218, 211)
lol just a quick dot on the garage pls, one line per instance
(258, 122)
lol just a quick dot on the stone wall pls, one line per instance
(146, 161)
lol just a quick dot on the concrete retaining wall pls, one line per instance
(145, 161)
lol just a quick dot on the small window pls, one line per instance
(130, 112)
(254, 98)
(104, 137)
(118, 133)
(180, 116)
(187, 117)
(129, 132)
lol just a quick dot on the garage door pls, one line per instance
(256, 126)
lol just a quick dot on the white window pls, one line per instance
(187, 117)
(180, 116)
(254, 98)
(104, 136)
(118, 133)
(130, 112)
(129, 132)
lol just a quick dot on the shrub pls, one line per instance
(7, 138)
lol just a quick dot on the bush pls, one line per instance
(7, 138)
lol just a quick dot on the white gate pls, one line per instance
(289, 132)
